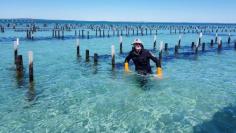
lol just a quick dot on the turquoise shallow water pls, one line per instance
(196, 94)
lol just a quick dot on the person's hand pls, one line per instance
(159, 72)
(127, 67)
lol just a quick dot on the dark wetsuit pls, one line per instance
(142, 61)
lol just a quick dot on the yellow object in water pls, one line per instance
(159, 72)
(127, 67)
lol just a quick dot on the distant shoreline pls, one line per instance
(98, 21)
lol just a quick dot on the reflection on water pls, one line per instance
(30, 95)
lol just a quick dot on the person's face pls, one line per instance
(137, 47)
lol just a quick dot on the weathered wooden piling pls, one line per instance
(16, 44)
(87, 34)
(160, 50)
(95, 58)
(229, 39)
(31, 68)
(62, 34)
(176, 49)
(160, 55)
(78, 48)
(166, 46)
(75, 33)
(192, 45)
(87, 55)
(200, 39)
(113, 56)
(79, 34)
(219, 44)
(212, 42)
(103, 33)
(108, 33)
(121, 44)
(19, 64)
(82, 33)
(179, 42)
(216, 38)
(203, 47)
(59, 34)
(96, 32)
(113, 32)
(196, 48)
(155, 42)
(100, 32)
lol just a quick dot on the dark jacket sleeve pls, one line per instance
(127, 59)
(153, 58)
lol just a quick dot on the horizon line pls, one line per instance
(117, 21)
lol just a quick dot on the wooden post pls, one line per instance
(160, 55)
(78, 48)
(63, 34)
(203, 47)
(87, 34)
(155, 42)
(212, 42)
(96, 32)
(82, 33)
(192, 46)
(216, 38)
(75, 33)
(229, 39)
(166, 46)
(59, 34)
(87, 55)
(113, 56)
(121, 45)
(95, 58)
(108, 33)
(31, 68)
(16, 44)
(161, 48)
(100, 33)
(19, 64)
(113, 32)
(200, 39)
(196, 48)
(176, 49)
(220, 44)
(179, 42)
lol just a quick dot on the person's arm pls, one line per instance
(127, 59)
(158, 64)
(153, 58)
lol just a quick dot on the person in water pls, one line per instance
(141, 58)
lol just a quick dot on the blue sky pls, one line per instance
(123, 10)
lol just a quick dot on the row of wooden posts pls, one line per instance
(18, 59)
(194, 46)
